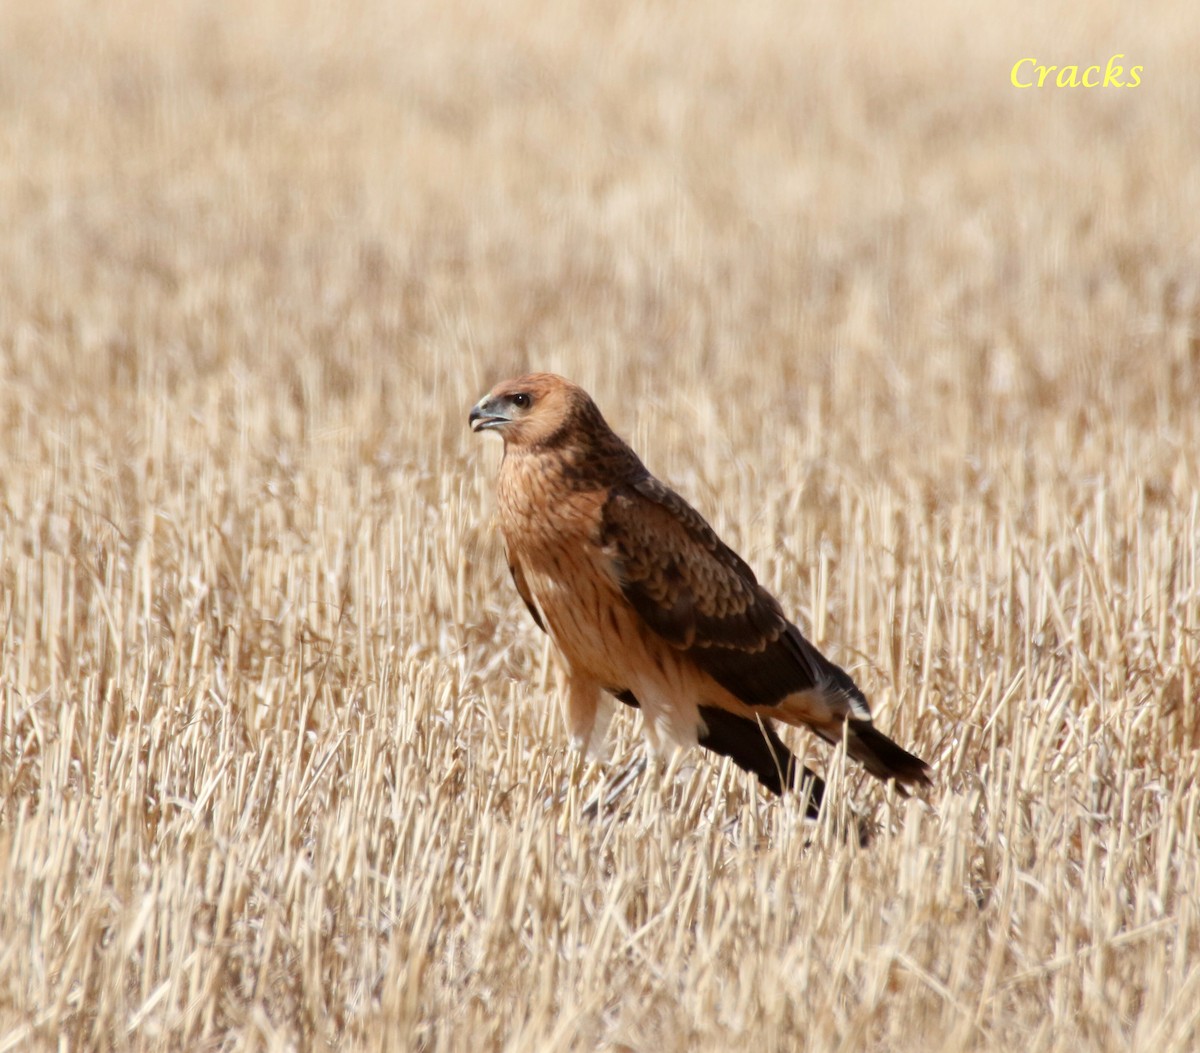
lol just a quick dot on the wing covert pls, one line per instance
(695, 592)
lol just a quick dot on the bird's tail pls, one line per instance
(882, 757)
(837, 716)
(835, 708)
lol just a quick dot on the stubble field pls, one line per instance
(280, 759)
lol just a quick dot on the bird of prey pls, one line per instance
(646, 604)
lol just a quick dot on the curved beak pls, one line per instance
(484, 415)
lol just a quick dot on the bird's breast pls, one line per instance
(552, 529)
(539, 507)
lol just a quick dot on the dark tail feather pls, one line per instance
(756, 747)
(882, 757)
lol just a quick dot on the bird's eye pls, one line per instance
(521, 401)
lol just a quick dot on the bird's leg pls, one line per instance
(609, 794)
(581, 708)
(578, 761)
(584, 712)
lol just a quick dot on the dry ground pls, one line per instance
(280, 766)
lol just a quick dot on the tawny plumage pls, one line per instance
(646, 604)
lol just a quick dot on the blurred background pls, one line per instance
(288, 217)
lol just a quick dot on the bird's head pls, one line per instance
(529, 410)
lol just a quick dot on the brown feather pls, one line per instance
(518, 577)
(642, 597)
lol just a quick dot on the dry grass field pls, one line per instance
(281, 766)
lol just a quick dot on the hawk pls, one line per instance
(646, 604)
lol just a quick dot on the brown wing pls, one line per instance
(702, 598)
(518, 577)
